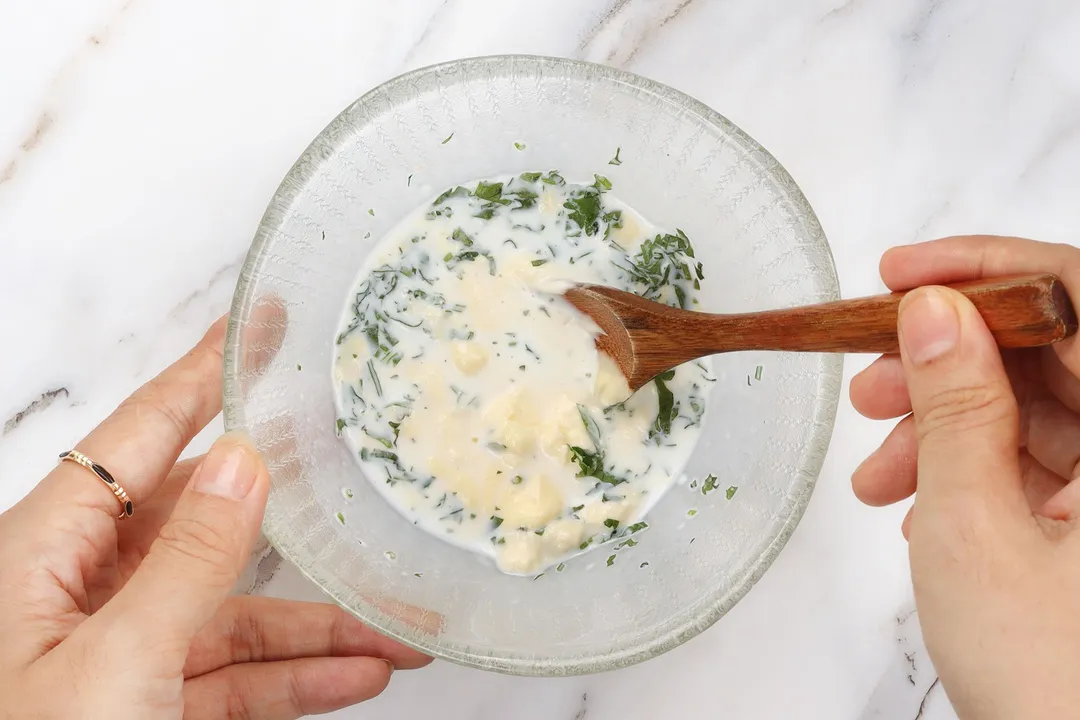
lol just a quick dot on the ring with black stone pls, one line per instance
(127, 508)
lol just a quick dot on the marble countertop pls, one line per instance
(140, 141)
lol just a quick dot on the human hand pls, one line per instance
(132, 618)
(992, 444)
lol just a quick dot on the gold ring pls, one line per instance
(127, 507)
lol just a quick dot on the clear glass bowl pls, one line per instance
(683, 165)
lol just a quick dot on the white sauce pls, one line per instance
(464, 380)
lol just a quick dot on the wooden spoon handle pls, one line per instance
(1024, 311)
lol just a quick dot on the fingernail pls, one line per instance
(929, 325)
(229, 469)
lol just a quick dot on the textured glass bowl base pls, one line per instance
(766, 430)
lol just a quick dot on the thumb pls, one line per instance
(199, 554)
(966, 415)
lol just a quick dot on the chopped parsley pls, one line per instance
(519, 146)
(731, 492)
(710, 485)
(615, 160)
(584, 207)
(591, 464)
(448, 138)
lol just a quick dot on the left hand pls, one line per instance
(132, 618)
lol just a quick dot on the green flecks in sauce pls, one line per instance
(417, 322)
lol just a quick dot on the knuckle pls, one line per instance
(957, 410)
(247, 641)
(294, 692)
(237, 696)
(156, 398)
(197, 542)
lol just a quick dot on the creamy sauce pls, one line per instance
(473, 394)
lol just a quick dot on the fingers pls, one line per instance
(889, 474)
(284, 690)
(141, 440)
(257, 629)
(1053, 437)
(969, 257)
(1059, 380)
(195, 561)
(880, 391)
(966, 416)
(1040, 484)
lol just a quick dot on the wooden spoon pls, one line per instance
(647, 338)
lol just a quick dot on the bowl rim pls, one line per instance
(688, 622)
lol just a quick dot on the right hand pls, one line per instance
(991, 443)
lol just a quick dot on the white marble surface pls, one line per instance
(141, 139)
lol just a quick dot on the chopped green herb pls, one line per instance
(584, 207)
(612, 523)
(553, 178)
(691, 512)
(601, 183)
(298, 366)
(530, 176)
(496, 521)
(492, 192)
(668, 408)
(610, 560)
(371, 212)
(731, 492)
(561, 567)
(517, 480)
(644, 565)
(458, 191)
(340, 517)
(519, 145)
(538, 263)
(448, 137)
(525, 198)
(709, 486)
(340, 425)
(590, 426)
(460, 236)
(757, 372)
(615, 160)
(374, 377)
(636, 527)
(591, 464)
(408, 181)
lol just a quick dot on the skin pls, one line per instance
(989, 444)
(134, 619)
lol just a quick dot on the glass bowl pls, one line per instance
(765, 433)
